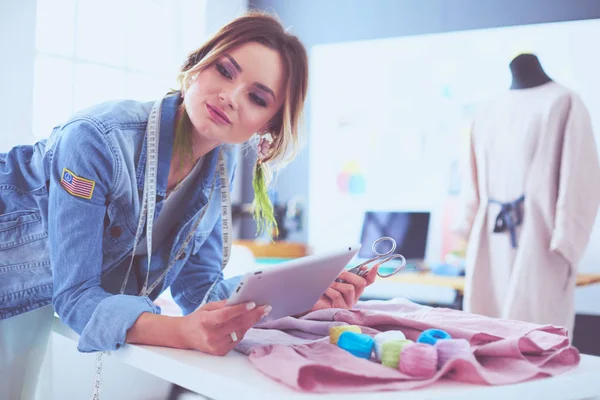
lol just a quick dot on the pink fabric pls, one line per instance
(297, 352)
(452, 348)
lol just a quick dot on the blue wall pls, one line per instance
(328, 21)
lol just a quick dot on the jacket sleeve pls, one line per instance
(578, 186)
(82, 172)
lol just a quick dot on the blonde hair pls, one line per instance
(285, 126)
(259, 27)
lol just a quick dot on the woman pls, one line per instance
(74, 206)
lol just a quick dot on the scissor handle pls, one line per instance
(381, 239)
(378, 259)
(402, 265)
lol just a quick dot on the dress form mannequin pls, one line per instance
(527, 72)
(533, 156)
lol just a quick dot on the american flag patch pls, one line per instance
(76, 185)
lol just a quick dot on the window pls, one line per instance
(90, 51)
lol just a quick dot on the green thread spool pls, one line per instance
(383, 337)
(391, 350)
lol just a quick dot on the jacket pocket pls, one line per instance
(25, 272)
(20, 227)
(118, 231)
(14, 219)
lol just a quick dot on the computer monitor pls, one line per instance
(408, 229)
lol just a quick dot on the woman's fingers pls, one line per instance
(222, 315)
(224, 327)
(372, 275)
(359, 283)
(242, 323)
(348, 292)
(214, 305)
(234, 330)
(337, 299)
(322, 303)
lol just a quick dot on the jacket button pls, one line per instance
(182, 256)
(116, 231)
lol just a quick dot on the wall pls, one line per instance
(17, 50)
(318, 22)
(219, 12)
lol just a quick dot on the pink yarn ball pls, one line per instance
(452, 348)
(419, 359)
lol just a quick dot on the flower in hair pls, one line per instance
(264, 146)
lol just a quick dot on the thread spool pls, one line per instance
(358, 344)
(431, 336)
(451, 349)
(383, 337)
(391, 351)
(336, 331)
(419, 360)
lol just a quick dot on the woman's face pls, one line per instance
(238, 95)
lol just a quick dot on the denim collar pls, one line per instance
(166, 139)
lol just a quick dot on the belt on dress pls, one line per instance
(509, 217)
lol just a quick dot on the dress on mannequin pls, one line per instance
(530, 204)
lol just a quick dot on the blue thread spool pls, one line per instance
(358, 344)
(431, 336)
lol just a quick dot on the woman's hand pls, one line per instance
(217, 328)
(345, 295)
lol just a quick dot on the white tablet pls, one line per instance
(292, 287)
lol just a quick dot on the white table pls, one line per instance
(233, 377)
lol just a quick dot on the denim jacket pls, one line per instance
(69, 209)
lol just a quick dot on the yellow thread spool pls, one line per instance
(336, 331)
(390, 352)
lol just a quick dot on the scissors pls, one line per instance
(363, 269)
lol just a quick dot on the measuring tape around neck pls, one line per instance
(147, 217)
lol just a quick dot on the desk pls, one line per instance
(428, 288)
(413, 285)
(458, 282)
(233, 377)
(283, 251)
